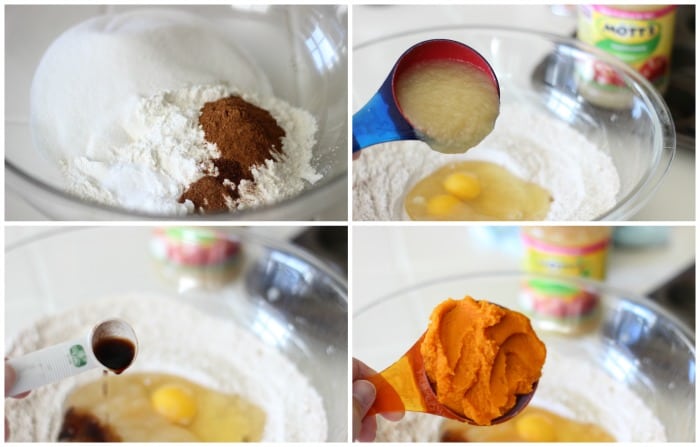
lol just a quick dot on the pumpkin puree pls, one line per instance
(478, 356)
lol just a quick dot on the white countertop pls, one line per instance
(47, 262)
(387, 258)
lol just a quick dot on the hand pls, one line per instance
(364, 428)
(10, 377)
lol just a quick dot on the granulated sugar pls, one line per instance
(90, 77)
(581, 178)
(177, 339)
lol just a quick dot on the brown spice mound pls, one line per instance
(246, 135)
(80, 426)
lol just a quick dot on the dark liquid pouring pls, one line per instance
(105, 393)
(115, 354)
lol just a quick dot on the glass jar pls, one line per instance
(639, 35)
(569, 251)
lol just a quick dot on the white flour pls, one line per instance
(569, 387)
(581, 178)
(178, 339)
(115, 102)
(168, 152)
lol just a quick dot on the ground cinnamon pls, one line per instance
(246, 135)
(82, 426)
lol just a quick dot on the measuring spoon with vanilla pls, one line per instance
(440, 91)
(111, 345)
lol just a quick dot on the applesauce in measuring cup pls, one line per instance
(452, 105)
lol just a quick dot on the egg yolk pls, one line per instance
(532, 425)
(175, 403)
(442, 204)
(536, 428)
(463, 185)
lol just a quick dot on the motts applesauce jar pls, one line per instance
(640, 35)
(568, 251)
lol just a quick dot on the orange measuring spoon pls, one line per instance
(404, 386)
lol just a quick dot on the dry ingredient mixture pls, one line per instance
(177, 339)
(581, 178)
(172, 167)
(569, 387)
(116, 102)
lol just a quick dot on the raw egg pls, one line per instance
(532, 425)
(159, 407)
(476, 190)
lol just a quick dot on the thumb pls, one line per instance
(10, 377)
(363, 395)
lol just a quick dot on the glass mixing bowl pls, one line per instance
(540, 70)
(280, 294)
(635, 342)
(301, 49)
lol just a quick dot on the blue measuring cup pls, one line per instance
(381, 119)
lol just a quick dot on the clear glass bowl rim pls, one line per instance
(236, 234)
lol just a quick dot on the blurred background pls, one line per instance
(328, 243)
(653, 261)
